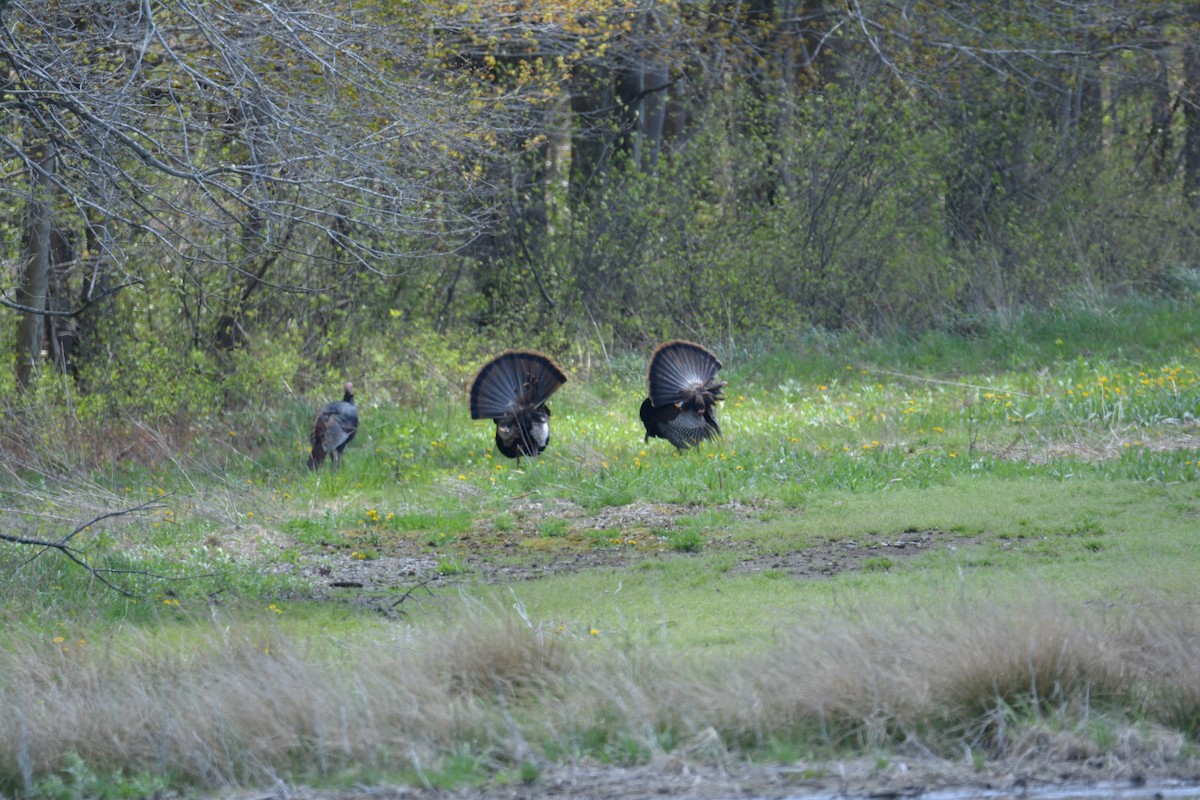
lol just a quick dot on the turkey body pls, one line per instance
(333, 429)
(512, 390)
(684, 392)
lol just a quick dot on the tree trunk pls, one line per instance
(31, 294)
(97, 282)
(593, 99)
(1191, 116)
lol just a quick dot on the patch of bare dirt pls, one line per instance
(520, 550)
(825, 559)
(615, 537)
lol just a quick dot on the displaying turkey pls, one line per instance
(333, 429)
(684, 391)
(512, 390)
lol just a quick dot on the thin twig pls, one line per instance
(422, 584)
(62, 545)
(939, 381)
(4, 301)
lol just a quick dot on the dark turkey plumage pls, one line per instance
(333, 429)
(684, 392)
(512, 390)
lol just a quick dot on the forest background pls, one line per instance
(208, 203)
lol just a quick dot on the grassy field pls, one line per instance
(958, 545)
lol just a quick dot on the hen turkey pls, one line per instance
(684, 391)
(512, 390)
(333, 429)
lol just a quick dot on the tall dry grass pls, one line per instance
(248, 706)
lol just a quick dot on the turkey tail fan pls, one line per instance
(681, 372)
(514, 380)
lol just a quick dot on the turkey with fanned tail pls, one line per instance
(684, 392)
(512, 390)
(333, 429)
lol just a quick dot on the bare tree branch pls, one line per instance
(63, 546)
(4, 301)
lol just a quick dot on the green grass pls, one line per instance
(1047, 462)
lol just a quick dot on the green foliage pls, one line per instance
(77, 780)
(925, 197)
(685, 541)
(554, 527)
(529, 773)
(451, 565)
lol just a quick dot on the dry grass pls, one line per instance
(960, 674)
(252, 706)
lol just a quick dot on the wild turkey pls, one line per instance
(512, 390)
(333, 429)
(684, 392)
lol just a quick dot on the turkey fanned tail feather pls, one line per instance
(684, 392)
(512, 390)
